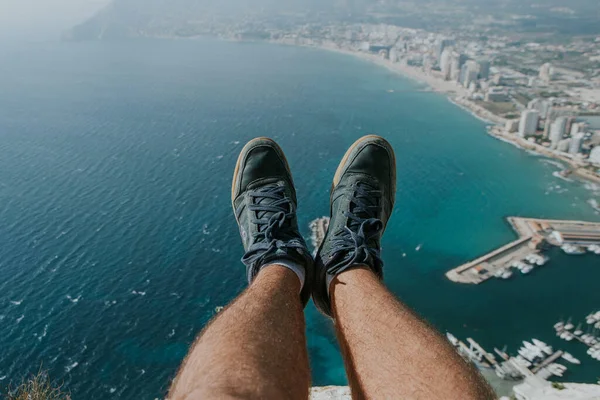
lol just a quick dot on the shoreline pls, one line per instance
(456, 95)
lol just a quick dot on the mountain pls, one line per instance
(133, 18)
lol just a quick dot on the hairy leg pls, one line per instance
(392, 354)
(254, 349)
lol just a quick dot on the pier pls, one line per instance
(534, 234)
(318, 228)
(547, 361)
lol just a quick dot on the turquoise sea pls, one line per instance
(117, 240)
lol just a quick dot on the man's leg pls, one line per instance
(389, 352)
(254, 349)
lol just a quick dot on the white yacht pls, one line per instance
(570, 358)
(542, 346)
(452, 339)
(572, 249)
(559, 325)
(527, 269)
(594, 248)
(569, 325)
(526, 354)
(578, 330)
(555, 370)
(506, 274)
(521, 360)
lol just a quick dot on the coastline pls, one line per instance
(457, 95)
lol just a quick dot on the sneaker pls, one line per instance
(264, 204)
(362, 199)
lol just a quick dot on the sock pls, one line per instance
(295, 268)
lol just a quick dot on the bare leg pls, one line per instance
(254, 349)
(389, 352)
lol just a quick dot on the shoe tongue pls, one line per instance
(267, 201)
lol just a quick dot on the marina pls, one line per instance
(590, 338)
(535, 359)
(525, 253)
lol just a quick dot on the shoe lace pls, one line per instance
(353, 242)
(272, 211)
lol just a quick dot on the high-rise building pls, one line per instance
(578, 127)
(529, 123)
(484, 69)
(442, 45)
(468, 73)
(462, 59)
(576, 143)
(446, 63)
(557, 130)
(454, 68)
(595, 155)
(511, 125)
(563, 145)
(540, 105)
(393, 55)
(546, 72)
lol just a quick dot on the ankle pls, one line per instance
(350, 277)
(283, 274)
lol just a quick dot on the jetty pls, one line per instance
(318, 228)
(535, 235)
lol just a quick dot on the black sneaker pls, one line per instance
(264, 203)
(362, 199)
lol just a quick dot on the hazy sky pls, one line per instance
(43, 17)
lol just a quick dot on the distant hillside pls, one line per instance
(132, 18)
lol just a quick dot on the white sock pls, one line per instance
(294, 267)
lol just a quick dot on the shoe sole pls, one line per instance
(242, 156)
(342, 166)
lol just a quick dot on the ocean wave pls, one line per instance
(553, 162)
(558, 175)
(138, 293)
(42, 335)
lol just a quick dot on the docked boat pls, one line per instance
(559, 325)
(452, 339)
(569, 325)
(529, 356)
(568, 357)
(506, 274)
(521, 360)
(578, 330)
(555, 369)
(542, 346)
(527, 269)
(594, 248)
(572, 249)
